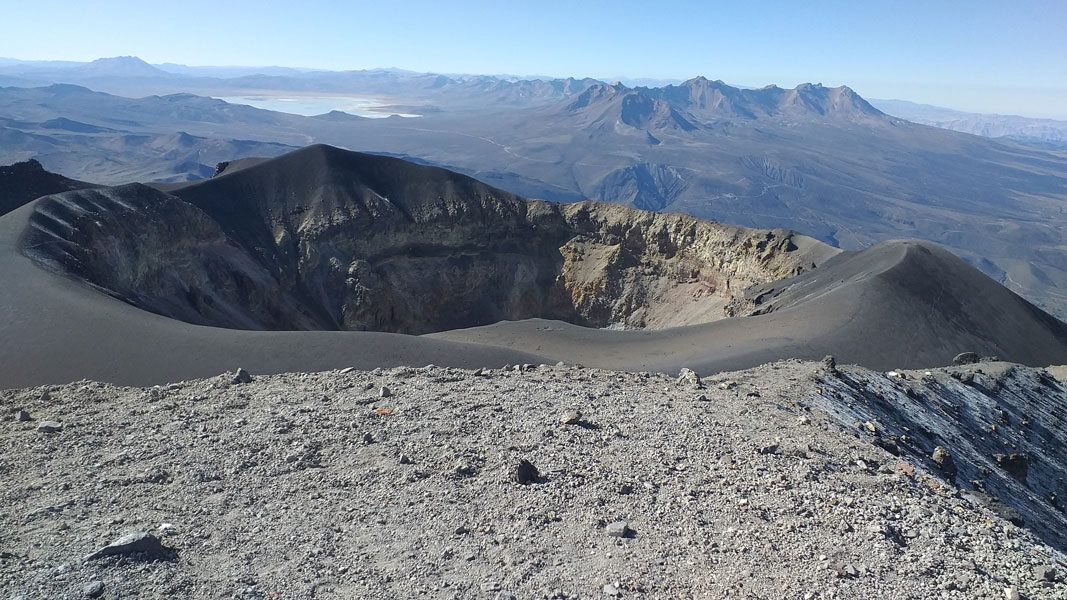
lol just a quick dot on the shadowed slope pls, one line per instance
(57, 329)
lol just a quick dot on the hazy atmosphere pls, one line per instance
(980, 56)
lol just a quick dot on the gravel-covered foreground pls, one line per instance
(405, 484)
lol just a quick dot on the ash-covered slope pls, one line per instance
(901, 304)
(324, 238)
(917, 294)
(315, 486)
(25, 181)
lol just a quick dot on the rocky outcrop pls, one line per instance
(328, 239)
(26, 181)
(636, 269)
(993, 429)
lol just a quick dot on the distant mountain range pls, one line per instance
(131, 76)
(428, 92)
(819, 160)
(1047, 134)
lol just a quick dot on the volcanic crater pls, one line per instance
(327, 239)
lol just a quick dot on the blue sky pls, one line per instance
(976, 55)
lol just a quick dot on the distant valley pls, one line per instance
(1045, 134)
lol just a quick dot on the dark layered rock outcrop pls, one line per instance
(26, 181)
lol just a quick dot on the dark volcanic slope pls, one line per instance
(329, 239)
(916, 293)
(26, 181)
(56, 329)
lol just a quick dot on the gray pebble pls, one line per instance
(1046, 573)
(141, 543)
(526, 472)
(93, 589)
(241, 376)
(619, 529)
(571, 418)
(49, 427)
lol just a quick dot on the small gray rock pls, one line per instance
(944, 460)
(405, 459)
(490, 586)
(142, 543)
(1046, 573)
(830, 364)
(504, 596)
(769, 448)
(619, 529)
(241, 376)
(93, 589)
(689, 377)
(22, 416)
(572, 417)
(49, 427)
(844, 570)
(384, 392)
(966, 358)
(611, 590)
(1016, 464)
(526, 472)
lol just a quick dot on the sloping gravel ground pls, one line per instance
(327, 486)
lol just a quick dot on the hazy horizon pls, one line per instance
(981, 57)
(980, 99)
